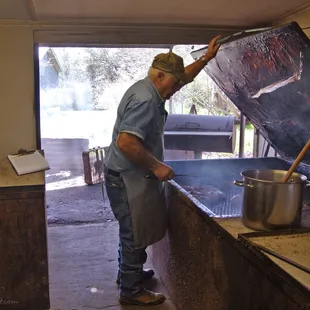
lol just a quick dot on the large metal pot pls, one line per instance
(270, 204)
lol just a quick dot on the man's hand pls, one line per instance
(163, 172)
(212, 48)
(194, 68)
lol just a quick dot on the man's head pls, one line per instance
(168, 74)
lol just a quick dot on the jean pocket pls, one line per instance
(117, 195)
(113, 181)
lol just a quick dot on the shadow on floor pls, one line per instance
(70, 201)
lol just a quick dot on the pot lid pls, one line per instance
(267, 76)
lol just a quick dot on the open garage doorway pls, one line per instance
(80, 89)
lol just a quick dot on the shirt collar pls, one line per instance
(159, 98)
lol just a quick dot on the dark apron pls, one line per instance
(146, 202)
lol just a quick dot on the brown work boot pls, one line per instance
(147, 274)
(143, 298)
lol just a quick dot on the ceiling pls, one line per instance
(219, 13)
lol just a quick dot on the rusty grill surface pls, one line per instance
(267, 77)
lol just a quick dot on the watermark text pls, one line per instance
(7, 301)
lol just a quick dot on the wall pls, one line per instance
(17, 119)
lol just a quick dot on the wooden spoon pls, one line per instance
(296, 162)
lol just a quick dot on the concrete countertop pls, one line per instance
(9, 178)
(233, 225)
(295, 247)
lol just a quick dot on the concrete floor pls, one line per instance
(71, 202)
(83, 267)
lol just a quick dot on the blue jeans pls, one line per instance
(130, 260)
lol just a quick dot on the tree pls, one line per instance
(73, 66)
(202, 92)
(109, 69)
(102, 68)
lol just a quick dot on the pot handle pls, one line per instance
(242, 184)
(307, 183)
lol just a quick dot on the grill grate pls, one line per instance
(221, 173)
(231, 206)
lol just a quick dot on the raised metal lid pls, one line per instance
(267, 76)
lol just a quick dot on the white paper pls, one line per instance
(29, 163)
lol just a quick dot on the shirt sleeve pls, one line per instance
(138, 119)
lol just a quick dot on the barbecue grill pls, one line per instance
(200, 133)
(221, 197)
(267, 77)
(201, 254)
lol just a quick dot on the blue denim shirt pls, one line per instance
(141, 113)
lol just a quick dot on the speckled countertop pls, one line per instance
(233, 225)
(295, 247)
(9, 178)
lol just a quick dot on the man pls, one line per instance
(135, 152)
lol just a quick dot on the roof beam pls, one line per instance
(32, 10)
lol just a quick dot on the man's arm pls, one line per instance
(193, 69)
(134, 150)
(136, 124)
(132, 147)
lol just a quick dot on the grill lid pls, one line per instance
(267, 76)
(200, 133)
(199, 123)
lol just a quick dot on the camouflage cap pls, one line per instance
(173, 64)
